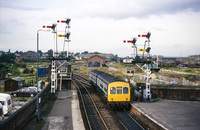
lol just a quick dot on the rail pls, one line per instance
(92, 100)
(124, 119)
(20, 116)
(84, 108)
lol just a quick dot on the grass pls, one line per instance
(187, 70)
(27, 77)
(190, 77)
(26, 99)
(82, 68)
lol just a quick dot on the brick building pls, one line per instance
(96, 61)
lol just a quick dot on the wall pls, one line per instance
(179, 93)
(166, 80)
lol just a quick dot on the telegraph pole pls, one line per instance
(37, 109)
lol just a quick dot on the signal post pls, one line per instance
(138, 60)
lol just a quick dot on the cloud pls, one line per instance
(102, 25)
(122, 9)
(18, 5)
(113, 9)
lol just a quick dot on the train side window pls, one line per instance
(112, 90)
(105, 89)
(125, 90)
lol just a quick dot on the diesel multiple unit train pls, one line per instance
(116, 91)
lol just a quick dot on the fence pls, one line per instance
(15, 120)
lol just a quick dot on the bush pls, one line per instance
(168, 65)
(23, 65)
(189, 71)
(26, 71)
(15, 72)
(32, 70)
(104, 65)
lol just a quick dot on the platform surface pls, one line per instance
(60, 114)
(65, 113)
(173, 115)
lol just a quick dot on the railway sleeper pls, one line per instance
(120, 106)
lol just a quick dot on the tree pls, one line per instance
(40, 52)
(23, 65)
(50, 52)
(7, 58)
(168, 65)
(96, 53)
(85, 52)
(76, 54)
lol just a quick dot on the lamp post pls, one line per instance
(37, 110)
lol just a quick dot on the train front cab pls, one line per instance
(119, 95)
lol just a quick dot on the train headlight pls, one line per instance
(126, 99)
(112, 99)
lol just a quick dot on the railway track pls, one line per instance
(92, 114)
(128, 121)
(113, 119)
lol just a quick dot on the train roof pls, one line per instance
(105, 77)
(95, 72)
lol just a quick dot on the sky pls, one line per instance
(102, 25)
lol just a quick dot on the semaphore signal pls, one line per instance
(67, 33)
(142, 60)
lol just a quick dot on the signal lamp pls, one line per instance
(148, 35)
(148, 49)
(68, 34)
(134, 41)
(67, 21)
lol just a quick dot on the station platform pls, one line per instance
(169, 114)
(61, 114)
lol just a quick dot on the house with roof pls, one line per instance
(13, 84)
(95, 61)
